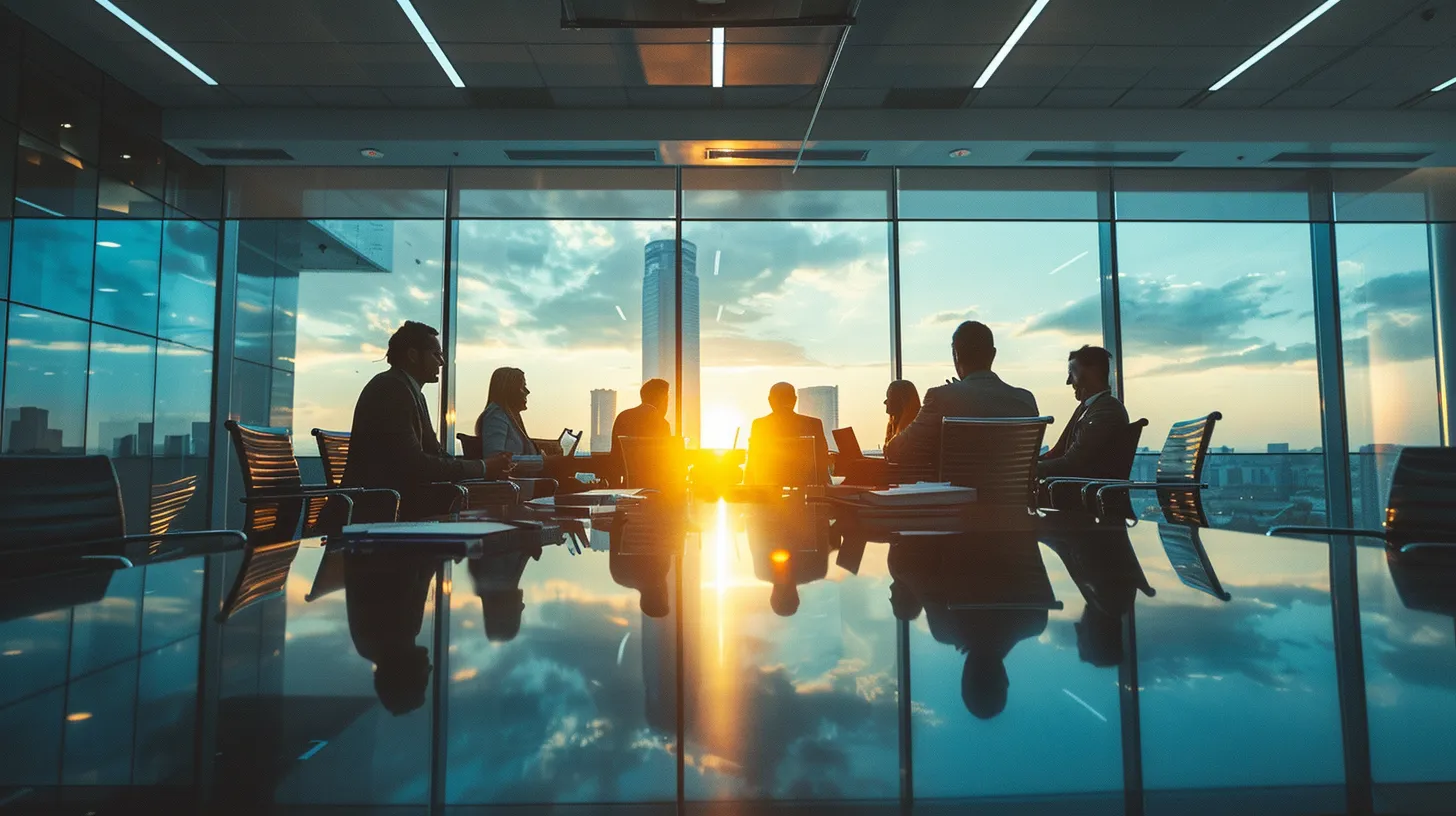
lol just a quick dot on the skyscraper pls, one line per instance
(659, 335)
(821, 401)
(604, 413)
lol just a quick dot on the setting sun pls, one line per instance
(720, 423)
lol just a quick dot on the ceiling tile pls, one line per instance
(577, 66)
(1156, 97)
(999, 97)
(1193, 67)
(1377, 99)
(1308, 98)
(589, 97)
(1036, 65)
(1237, 98)
(664, 97)
(682, 64)
(884, 66)
(338, 97)
(1081, 98)
(775, 64)
(846, 98)
(493, 64)
(427, 97)
(273, 95)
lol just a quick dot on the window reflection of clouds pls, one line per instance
(51, 264)
(128, 254)
(45, 368)
(188, 296)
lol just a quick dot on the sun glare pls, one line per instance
(720, 422)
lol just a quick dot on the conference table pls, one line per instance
(680, 655)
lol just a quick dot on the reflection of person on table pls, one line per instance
(771, 460)
(789, 544)
(497, 580)
(980, 569)
(385, 597)
(639, 555)
(501, 430)
(1102, 563)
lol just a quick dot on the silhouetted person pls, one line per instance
(770, 457)
(981, 569)
(646, 420)
(1101, 561)
(640, 550)
(501, 430)
(789, 544)
(384, 598)
(497, 580)
(902, 403)
(1088, 444)
(977, 393)
(392, 440)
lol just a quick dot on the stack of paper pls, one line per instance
(920, 494)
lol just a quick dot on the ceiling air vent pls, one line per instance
(246, 153)
(812, 155)
(1107, 156)
(598, 156)
(1356, 157)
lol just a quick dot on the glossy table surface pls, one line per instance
(732, 656)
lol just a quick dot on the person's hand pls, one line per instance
(498, 465)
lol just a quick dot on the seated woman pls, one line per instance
(501, 431)
(902, 403)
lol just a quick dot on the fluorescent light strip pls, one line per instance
(424, 32)
(717, 58)
(33, 205)
(155, 40)
(1278, 41)
(1011, 42)
(1444, 85)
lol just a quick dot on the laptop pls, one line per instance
(568, 440)
(848, 443)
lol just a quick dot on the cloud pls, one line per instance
(950, 316)
(730, 350)
(1267, 355)
(1396, 312)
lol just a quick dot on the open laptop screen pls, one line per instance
(848, 443)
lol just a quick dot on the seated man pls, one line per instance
(1087, 446)
(647, 419)
(393, 442)
(977, 393)
(770, 460)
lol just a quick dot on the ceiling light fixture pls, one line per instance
(718, 41)
(108, 244)
(126, 155)
(960, 153)
(1444, 85)
(1011, 42)
(424, 32)
(371, 153)
(155, 40)
(66, 125)
(1278, 41)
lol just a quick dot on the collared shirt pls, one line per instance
(1087, 403)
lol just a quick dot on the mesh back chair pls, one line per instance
(333, 448)
(785, 462)
(1065, 492)
(68, 509)
(271, 475)
(1188, 558)
(1180, 466)
(168, 501)
(1421, 511)
(654, 462)
(997, 457)
(471, 448)
(446, 496)
(262, 575)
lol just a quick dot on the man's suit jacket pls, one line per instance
(1088, 445)
(392, 442)
(978, 394)
(765, 457)
(642, 420)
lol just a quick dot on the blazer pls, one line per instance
(643, 420)
(392, 442)
(767, 431)
(978, 394)
(1088, 444)
(500, 434)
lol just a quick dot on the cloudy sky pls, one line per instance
(1215, 317)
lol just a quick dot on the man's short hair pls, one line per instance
(411, 335)
(653, 387)
(973, 344)
(1095, 358)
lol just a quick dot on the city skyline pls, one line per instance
(822, 402)
(603, 414)
(659, 318)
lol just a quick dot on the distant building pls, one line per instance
(30, 431)
(1279, 447)
(201, 438)
(1374, 466)
(659, 324)
(603, 414)
(821, 401)
(176, 446)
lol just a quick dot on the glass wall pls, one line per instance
(108, 293)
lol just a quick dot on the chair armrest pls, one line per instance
(1300, 529)
(1050, 480)
(1423, 545)
(456, 485)
(227, 541)
(309, 493)
(120, 559)
(1105, 486)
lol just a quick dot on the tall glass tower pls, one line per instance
(659, 326)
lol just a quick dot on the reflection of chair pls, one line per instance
(271, 475)
(1189, 559)
(59, 509)
(784, 461)
(997, 457)
(1421, 511)
(1180, 466)
(437, 499)
(1064, 492)
(168, 501)
(654, 462)
(263, 575)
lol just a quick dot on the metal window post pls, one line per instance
(1442, 244)
(1111, 286)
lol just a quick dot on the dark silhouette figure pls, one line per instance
(646, 420)
(501, 430)
(790, 546)
(1102, 562)
(982, 593)
(902, 403)
(774, 455)
(393, 443)
(1088, 444)
(977, 392)
(385, 596)
(497, 580)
